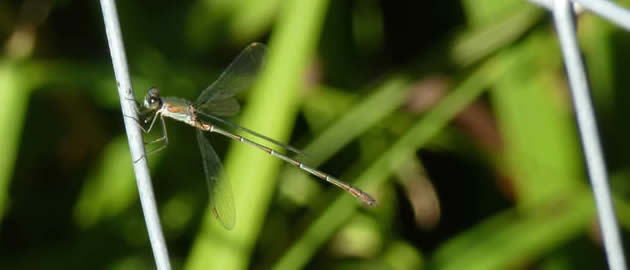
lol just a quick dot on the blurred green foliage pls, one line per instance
(455, 115)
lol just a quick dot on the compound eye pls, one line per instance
(152, 100)
(154, 92)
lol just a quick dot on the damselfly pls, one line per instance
(216, 101)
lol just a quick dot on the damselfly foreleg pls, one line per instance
(163, 138)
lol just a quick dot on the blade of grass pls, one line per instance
(325, 104)
(483, 12)
(401, 255)
(536, 122)
(472, 46)
(361, 117)
(271, 110)
(17, 85)
(513, 237)
(253, 17)
(109, 189)
(207, 17)
(13, 103)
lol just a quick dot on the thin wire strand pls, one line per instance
(608, 10)
(587, 125)
(134, 135)
(604, 8)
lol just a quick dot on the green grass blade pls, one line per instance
(253, 17)
(361, 117)
(513, 237)
(401, 255)
(541, 146)
(13, 102)
(110, 189)
(471, 46)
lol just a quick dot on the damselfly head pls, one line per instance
(152, 100)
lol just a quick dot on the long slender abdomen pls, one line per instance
(357, 193)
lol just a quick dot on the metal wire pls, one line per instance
(565, 25)
(609, 10)
(604, 8)
(134, 135)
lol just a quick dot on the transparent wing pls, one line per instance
(219, 188)
(227, 107)
(239, 76)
